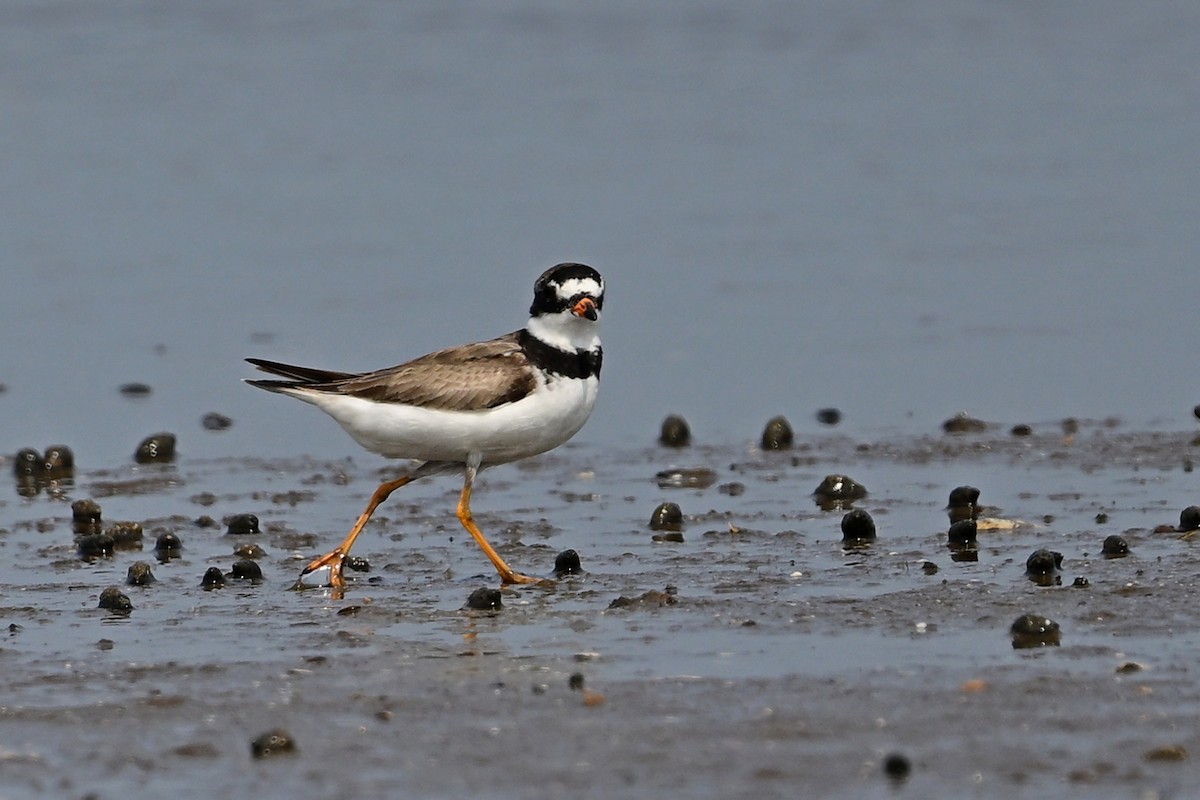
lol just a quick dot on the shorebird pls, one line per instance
(470, 407)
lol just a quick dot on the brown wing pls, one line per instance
(471, 377)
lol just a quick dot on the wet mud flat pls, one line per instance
(753, 652)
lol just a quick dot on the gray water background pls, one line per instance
(901, 210)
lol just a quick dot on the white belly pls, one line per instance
(542, 421)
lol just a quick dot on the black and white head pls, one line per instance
(567, 301)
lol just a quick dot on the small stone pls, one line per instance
(242, 524)
(212, 421)
(246, 570)
(575, 682)
(838, 489)
(829, 416)
(86, 512)
(1021, 430)
(357, 564)
(675, 432)
(484, 599)
(213, 578)
(963, 531)
(276, 742)
(113, 599)
(961, 423)
(27, 463)
(156, 449)
(125, 534)
(777, 435)
(95, 545)
(135, 389)
(857, 526)
(1189, 519)
(1081, 582)
(897, 767)
(1034, 630)
(669, 536)
(1070, 426)
(667, 517)
(1043, 562)
(567, 563)
(139, 574)
(929, 568)
(1101, 517)
(249, 550)
(1115, 547)
(58, 462)
(167, 542)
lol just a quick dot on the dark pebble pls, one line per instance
(857, 526)
(1021, 430)
(1115, 547)
(139, 574)
(168, 541)
(58, 462)
(697, 478)
(777, 435)
(1034, 630)
(669, 536)
(929, 568)
(156, 449)
(1101, 518)
(675, 432)
(963, 531)
(273, 743)
(240, 524)
(95, 545)
(135, 389)
(86, 512)
(205, 521)
(113, 599)
(1081, 582)
(962, 423)
(251, 550)
(575, 682)
(357, 564)
(897, 767)
(1189, 519)
(829, 416)
(212, 421)
(27, 463)
(667, 517)
(567, 563)
(213, 578)
(1043, 562)
(246, 570)
(484, 599)
(836, 489)
(125, 534)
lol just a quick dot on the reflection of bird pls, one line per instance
(468, 407)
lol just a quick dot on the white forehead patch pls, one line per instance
(576, 286)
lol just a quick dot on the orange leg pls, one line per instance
(507, 575)
(337, 557)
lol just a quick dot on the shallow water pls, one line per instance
(899, 212)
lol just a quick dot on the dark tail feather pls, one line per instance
(302, 374)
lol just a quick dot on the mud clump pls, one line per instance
(650, 599)
(484, 599)
(277, 742)
(126, 535)
(156, 449)
(135, 389)
(829, 416)
(777, 435)
(1034, 630)
(675, 432)
(94, 545)
(139, 574)
(113, 599)
(212, 421)
(838, 491)
(667, 517)
(213, 579)
(567, 563)
(962, 423)
(858, 526)
(250, 550)
(242, 525)
(85, 516)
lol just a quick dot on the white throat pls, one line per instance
(565, 331)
